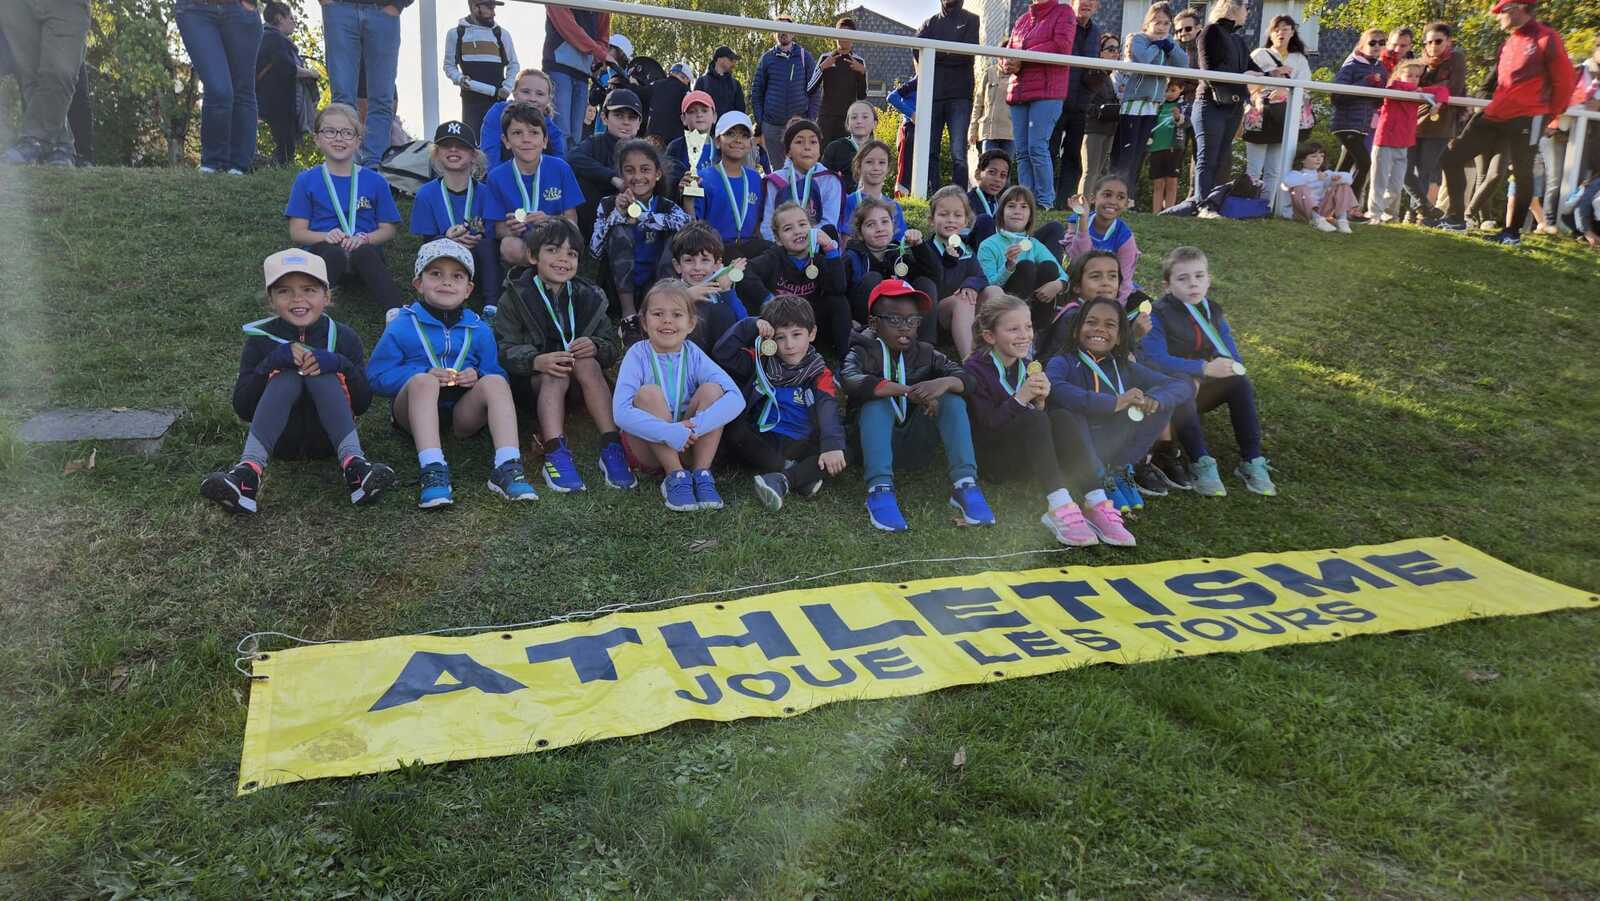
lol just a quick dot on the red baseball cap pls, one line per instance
(898, 287)
(1504, 5)
(693, 97)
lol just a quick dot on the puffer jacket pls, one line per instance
(1355, 113)
(1047, 27)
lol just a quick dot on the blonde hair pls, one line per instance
(991, 311)
(549, 86)
(340, 109)
(869, 107)
(789, 206)
(951, 192)
(669, 289)
(480, 163)
(1179, 255)
(1220, 10)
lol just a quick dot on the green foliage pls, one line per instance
(669, 41)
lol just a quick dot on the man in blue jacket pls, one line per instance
(778, 92)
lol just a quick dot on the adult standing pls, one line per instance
(991, 117)
(1219, 105)
(47, 42)
(1066, 143)
(1554, 147)
(1531, 84)
(222, 40)
(1443, 64)
(778, 92)
(574, 40)
(1353, 116)
(279, 70)
(720, 83)
(480, 57)
(1186, 28)
(1038, 90)
(952, 88)
(664, 109)
(840, 79)
(363, 37)
(1103, 112)
(1142, 95)
(1281, 55)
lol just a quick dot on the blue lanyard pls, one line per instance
(1100, 374)
(255, 328)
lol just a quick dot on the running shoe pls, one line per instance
(677, 489)
(1106, 522)
(236, 490)
(614, 463)
(366, 480)
(1254, 474)
(883, 511)
(1149, 480)
(1206, 480)
(705, 490)
(1067, 524)
(510, 482)
(560, 472)
(1169, 463)
(974, 509)
(770, 489)
(435, 487)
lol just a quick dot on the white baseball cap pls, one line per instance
(442, 247)
(295, 260)
(731, 118)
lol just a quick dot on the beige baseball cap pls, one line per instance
(286, 261)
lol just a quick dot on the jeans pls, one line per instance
(1423, 172)
(956, 115)
(571, 102)
(47, 43)
(1031, 124)
(1240, 396)
(1264, 162)
(364, 38)
(222, 42)
(883, 439)
(1516, 138)
(1128, 150)
(1214, 128)
(1066, 145)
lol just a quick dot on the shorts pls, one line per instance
(1165, 164)
(448, 398)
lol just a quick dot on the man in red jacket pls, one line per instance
(1529, 89)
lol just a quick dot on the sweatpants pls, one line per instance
(282, 402)
(887, 444)
(1051, 449)
(1240, 396)
(1388, 180)
(367, 264)
(771, 452)
(1518, 138)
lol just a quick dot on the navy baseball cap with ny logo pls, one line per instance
(455, 131)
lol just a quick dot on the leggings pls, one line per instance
(1240, 396)
(1354, 157)
(279, 401)
(1516, 138)
(772, 452)
(368, 264)
(1114, 442)
(1044, 446)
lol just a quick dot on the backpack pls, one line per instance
(461, 31)
(407, 167)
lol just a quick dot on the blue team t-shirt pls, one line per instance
(495, 152)
(794, 411)
(848, 215)
(430, 217)
(558, 189)
(308, 200)
(716, 208)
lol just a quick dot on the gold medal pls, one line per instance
(1136, 414)
(1035, 368)
(812, 271)
(452, 375)
(1146, 306)
(769, 347)
(954, 241)
(1025, 244)
(736, 275)
(519, 214)
(635, 210)
(1238, 368)
(901, 269)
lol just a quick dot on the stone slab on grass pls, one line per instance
(139, 431)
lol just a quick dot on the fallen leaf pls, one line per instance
(1480, 675)
(119, 409)
(702, 544)
(119, 678)
(960, 760)
(79, 465)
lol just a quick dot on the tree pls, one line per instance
(668, 40)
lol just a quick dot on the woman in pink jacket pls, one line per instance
(1037, 91)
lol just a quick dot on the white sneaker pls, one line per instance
(1385, 219)
(207, 170)
(1343, 225)
(1322, 224)
(235, 171)
(1208, 213)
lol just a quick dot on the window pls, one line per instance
(1310, 29)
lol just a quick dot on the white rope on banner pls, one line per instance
(608, 609)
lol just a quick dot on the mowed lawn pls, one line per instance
(1411, 384)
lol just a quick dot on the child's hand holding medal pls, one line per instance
(305, 362)
(335, 236)
(516, 222)
(913, 237)
(1036, 387)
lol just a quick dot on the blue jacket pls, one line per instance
(1087, 43)
(1073, 388)
(400, 354)
(1355, 113)
(1176, 345)
(1156, 53)
(779, 88)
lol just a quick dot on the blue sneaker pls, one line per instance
(1207, 483)
(1130, 489)
(974, 509)
(560, 472)
(705, 490)
(510, 482)
(435, 487)
(882, 510)
(678, 491)
(614, 464)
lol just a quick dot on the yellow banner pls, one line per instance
(369, 706)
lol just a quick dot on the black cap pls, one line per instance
(455, 131)
(623, 98)
(724, 51)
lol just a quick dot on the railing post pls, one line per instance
(1572, 168)
(920, 170)
(1278, 198)
(429, 31)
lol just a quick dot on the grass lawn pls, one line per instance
(1410, 384)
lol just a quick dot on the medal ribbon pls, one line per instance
(572, 319)
(898, 377)
(1205, 326)
(466, 212)
(988, 208)
(674, 398)
(346, 223)
(531, 205)
(739, 209)
(1022, 374)
(769, 406)
(805, 196)
(1100, 374)
(433, 356)
(254, 328)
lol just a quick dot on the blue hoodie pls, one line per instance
(400, 354)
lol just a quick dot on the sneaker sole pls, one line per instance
(1150, 492)
(1049, 523)
(883, 528)
(222, 492)
(436, 502)
(769, 498)
(967, 519)
(530, 496)
(376, 483)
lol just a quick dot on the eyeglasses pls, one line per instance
(346, 133)
(893, 321)
(1185, 29)
(1376, 43)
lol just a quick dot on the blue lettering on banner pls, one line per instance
(1302, 617)
(1220, 597)
(1418, 568)
(1347, 611)
(778, 681)
(1263, 624)
(1093, 640)
(690, 648)
(955, 611)
(1212, 629)
(710, 690)
(420, 678)
(1333, 575)
(1065, 594)
(1138, 597)
(840, 637)
(889, 663)
(590, 654)
(1165, 628)
(982, 658)
(1036, 644)
(845, 676)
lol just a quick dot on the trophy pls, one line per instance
(694, 143)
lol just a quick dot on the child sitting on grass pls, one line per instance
(994, 173)
(532, 87)
(529, 187)
(1190, 339)
(1100, 226)
(871, 168)
(732, 202)
(803, 180)
(872, 256)
(437, 361)
(451, 206)
(947, 268)
(672, 400)
(1319, 196)
(556, 343)
(342, 212)
(907, 392)
(697, 258)
(633, 228)
(806, 262)
(790, 431)
(1020, 265)
(300, 386)
(860, 122)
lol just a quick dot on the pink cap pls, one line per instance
(693, 97)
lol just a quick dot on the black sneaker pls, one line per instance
(1169, 463)
(770, 489)
(366, 480)
(236, 490)
(1149, 480)
(631, 330)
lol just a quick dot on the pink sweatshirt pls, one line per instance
(1397, 119)
(1119, 241)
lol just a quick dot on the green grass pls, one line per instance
(1410, 384)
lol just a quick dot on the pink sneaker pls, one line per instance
(1107, 523)
(1066, 523)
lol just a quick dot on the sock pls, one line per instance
(962, 483)
(504, 455)
(255, 452)
(1096, 497)
(349, 446)
(1058, 498)
(610, 438)
(429, 456)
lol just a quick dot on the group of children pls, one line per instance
(715, 283)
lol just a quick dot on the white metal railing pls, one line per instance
(928, 51)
